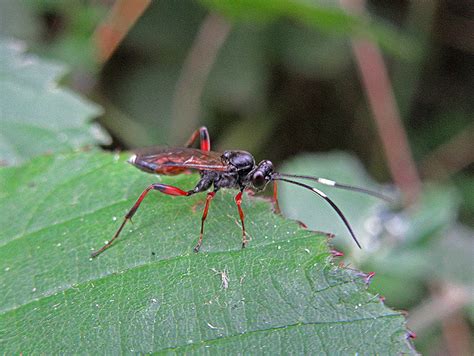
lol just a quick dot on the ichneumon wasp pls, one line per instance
(230, 169)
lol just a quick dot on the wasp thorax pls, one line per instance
(241, 160)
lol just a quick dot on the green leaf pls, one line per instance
(36, 115)
(150, 292)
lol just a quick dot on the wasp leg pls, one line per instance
(204, 139)
(209, 197)
(238, 201)
(163, 188)
(276, 205)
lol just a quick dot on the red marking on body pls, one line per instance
(177, 160)
(192, 138)
(138, 202)
(209, 197)
(171, 190)
(163, 188)
(205, 146)
(205, 143)
(170, 171)
(238, 201)
(276, 205)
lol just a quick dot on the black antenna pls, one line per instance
(325, 197)
(331, 183)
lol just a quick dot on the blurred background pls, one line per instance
(377, 93)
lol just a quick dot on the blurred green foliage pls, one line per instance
(37, 117)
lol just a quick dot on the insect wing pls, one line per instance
(177, 160)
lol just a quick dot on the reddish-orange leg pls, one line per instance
(276, 205)
(204, 139)
(163, 188)
(238, 201)
(205, 145)
(209, 197)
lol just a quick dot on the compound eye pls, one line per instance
(258, 179)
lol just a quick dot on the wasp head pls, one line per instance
(262, 174)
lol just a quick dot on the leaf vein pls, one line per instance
(257, 331)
